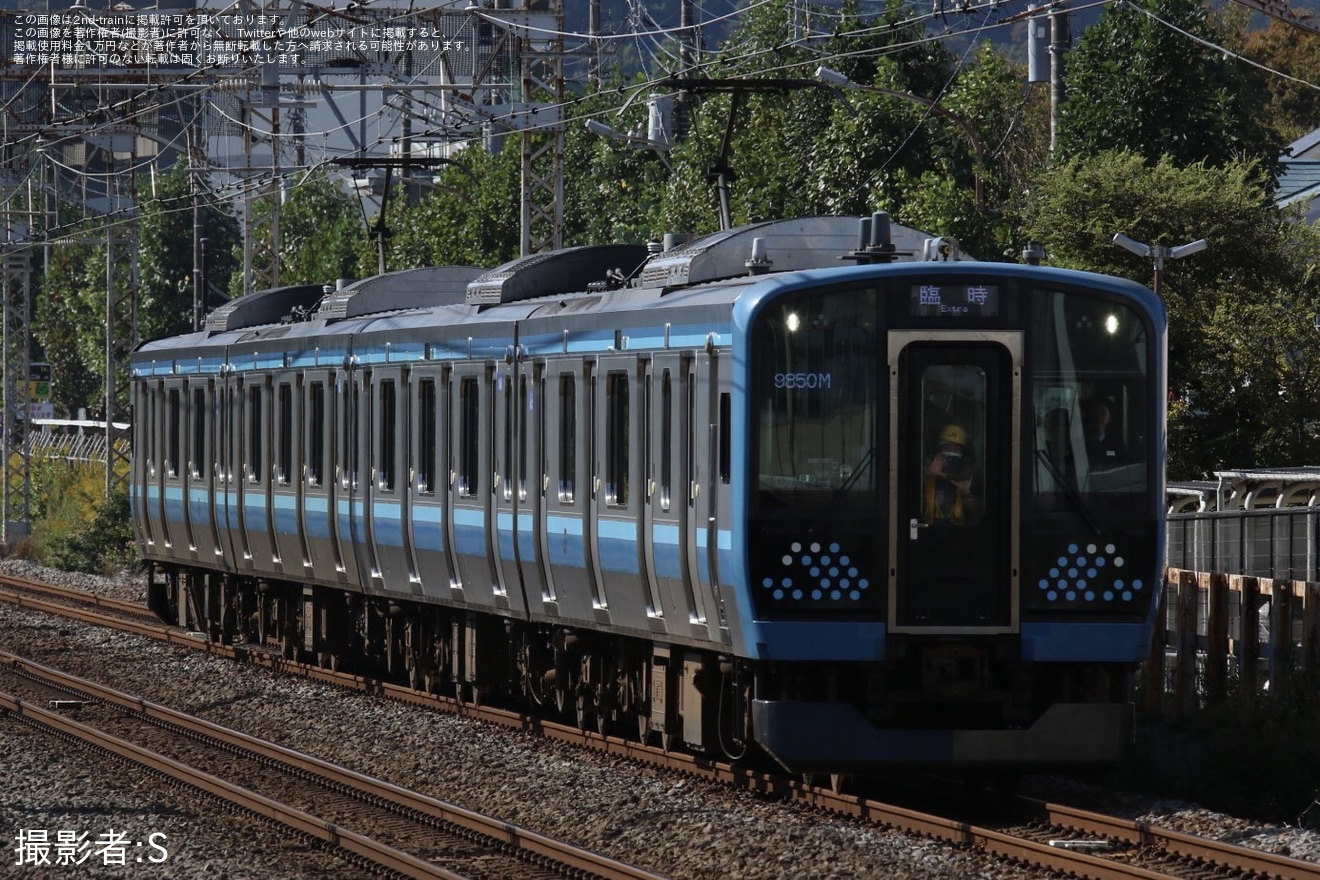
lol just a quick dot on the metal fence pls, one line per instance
(1274, 542)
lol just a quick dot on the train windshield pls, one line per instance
(1091, 419)
(816, 386)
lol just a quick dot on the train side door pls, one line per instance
(518, 485)
(224, 421)
(386, 522)
(201, 468)
(955, 399)
(665, 531)
(532, 483)
(471, 490)
(319, 477)
(285, 487)
(618, 490)
(567, 489)
(346, 497)
(700, 462)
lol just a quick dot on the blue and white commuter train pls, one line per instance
(841, 501)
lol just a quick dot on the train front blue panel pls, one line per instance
(1060, 642)
(848, 641)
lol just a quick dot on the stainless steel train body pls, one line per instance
(691, 500)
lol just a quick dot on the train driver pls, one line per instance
(1104, 448)
(948, 483)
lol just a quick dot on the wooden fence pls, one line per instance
(1213, 628)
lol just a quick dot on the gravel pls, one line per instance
(675, 827)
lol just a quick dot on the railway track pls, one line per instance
(1053, 837)
(378, 825)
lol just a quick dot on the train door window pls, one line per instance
(726, 438)
(524, 408)
(616, 439)
(387, 434)
(426, 445)
(666, 438)
(316, 427)
(506, 480)
(690, 459)
(284, 449)
(173, 432)
(351, 446)
(567, 438)
(469, 431)
(198, 464)
(254, 435)
(952, 465)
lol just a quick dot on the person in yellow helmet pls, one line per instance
(948, 483)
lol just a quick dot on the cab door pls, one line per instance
(955, 402)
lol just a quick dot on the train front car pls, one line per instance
(952, 518)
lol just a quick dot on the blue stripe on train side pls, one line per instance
(427, 533)
(387, 523)
(565, 541)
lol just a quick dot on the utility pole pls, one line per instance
(1060, 40)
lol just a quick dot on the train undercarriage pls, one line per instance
(672, 696)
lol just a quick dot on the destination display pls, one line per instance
(954, 300)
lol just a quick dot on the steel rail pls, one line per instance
(1078, 864)
(403, 799)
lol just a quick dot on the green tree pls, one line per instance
(470, 218)
(64, 315)
(1136, 82)
(165, 252)
(320, 232)
(1239, 312)
(1293, 104)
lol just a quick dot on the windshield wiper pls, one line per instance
(843, 489)
(1070, 493)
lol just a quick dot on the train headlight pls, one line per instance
(1111, 324)
(793, 322)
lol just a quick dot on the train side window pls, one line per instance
(567, 438)
(388, 433)
(254, 434)
(199, 434)
(469, 430)
(284, 451)
(316, 444)
(426, 445)
(616, 439)
(173, 432)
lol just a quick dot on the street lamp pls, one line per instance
(1159, 253)
(839, 80)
